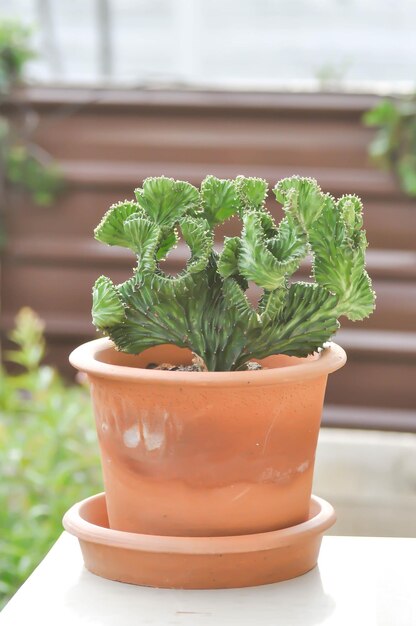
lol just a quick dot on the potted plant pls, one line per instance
(208, 408)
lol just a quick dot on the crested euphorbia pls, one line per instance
(205, 308)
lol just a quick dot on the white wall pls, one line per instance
(232, 43)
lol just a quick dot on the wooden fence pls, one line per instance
(107, 141)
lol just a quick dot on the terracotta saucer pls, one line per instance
(196, 562)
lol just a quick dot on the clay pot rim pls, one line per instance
(84, 358)
(322, 517)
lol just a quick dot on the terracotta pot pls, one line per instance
(205, 453)
(197, 562)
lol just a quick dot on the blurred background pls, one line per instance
(96, 95)
(222, 43)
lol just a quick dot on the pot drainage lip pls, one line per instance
(87, 520)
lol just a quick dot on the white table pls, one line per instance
(360, 582)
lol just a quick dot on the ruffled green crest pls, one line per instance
(300, 197)
(107, 306)
(219, 199)
(111, 228)
(268, 262)
(252, 192)
(255, 261)
(165, 200)
(198, 236)
(143, 237)
(290, 244)
(228, 260)
(339, 247)
(169, 240)
(205, 307)
(350, 208)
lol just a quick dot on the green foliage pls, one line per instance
(205, 307)
(24, 169)
(394, 146)
(49, 455)
(22, 164)
(15, 51)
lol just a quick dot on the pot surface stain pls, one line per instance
(303, 466)
(131, 437)
(241, 494)
(272, 475)
(152, 440)
(154, 432)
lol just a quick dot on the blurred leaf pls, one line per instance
(49, 455)
(406, 168)
(28, 336)
(385, 112)
(394, 145)
(15, 51)
(25, 170)
(22, 163)
(379, 147)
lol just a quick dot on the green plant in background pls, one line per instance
(205, 307)
(22, 163)
(49, 455)
(29, 168)
(394, 146)
(331, 76)
(15, 51)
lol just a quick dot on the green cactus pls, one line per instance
(205, 307)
